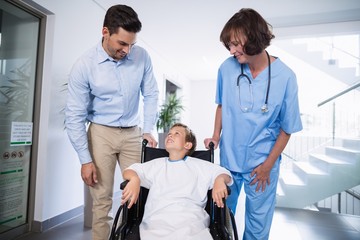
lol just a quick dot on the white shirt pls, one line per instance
(177, 197)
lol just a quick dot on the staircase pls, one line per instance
(326, 172)
(315, 58)
(334, 167)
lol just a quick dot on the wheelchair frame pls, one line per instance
(222, 221)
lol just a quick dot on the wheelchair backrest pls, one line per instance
(149, 153)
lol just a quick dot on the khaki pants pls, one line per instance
(108, 146)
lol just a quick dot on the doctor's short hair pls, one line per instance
(189, 137)
(250, 24)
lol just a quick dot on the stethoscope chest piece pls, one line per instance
(264, 108)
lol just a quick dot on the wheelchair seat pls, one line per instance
(127, 221)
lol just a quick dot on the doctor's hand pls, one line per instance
(88, 174)
(262, 177)
(207, 141)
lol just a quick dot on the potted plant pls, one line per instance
(168, 115)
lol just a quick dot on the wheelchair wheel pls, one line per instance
(231, 225)
(115, 230)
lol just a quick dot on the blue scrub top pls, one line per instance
(248, 137)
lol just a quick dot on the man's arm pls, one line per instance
(262, 172)
(75, 118)
(150, 93)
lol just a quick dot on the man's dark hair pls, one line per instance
(250, 24)
(122, 16)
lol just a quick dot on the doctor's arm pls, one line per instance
(217, 129)
(262, 172)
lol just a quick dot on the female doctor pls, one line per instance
(258, 110)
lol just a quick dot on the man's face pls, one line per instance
(119, 44)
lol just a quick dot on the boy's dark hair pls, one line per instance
(122, 16)
(189, 137)
(249, 23)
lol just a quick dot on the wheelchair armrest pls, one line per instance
(222, 223)
(228, 189)
(219, 213)
(123, 184)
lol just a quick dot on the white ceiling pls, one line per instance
(185, 33)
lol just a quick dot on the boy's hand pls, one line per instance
(219, 191)
(131, 192)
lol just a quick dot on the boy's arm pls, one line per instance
(132, 189)
(219, 190)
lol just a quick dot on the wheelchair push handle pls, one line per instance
(211, 145)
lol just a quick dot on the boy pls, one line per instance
(178, 189)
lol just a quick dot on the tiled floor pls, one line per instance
(294, 224)
(297, 224)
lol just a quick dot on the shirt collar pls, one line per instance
(103, 56)
(184, 159)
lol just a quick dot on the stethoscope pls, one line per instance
(264, 108)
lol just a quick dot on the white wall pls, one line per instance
(203, 111)
(58, 183)
(76, 26)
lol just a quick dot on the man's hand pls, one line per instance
(151, 140)
(88, 174)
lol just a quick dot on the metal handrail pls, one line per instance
(356, 85)
(339, 49)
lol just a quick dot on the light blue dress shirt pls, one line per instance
(107, 92)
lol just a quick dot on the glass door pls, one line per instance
(19, 33)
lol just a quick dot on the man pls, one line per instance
(104, 90)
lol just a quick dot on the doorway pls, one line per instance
(19, 35)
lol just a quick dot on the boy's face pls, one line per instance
(175, 140)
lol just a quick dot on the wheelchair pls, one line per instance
(127, 221)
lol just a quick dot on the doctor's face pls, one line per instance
(236, 48)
